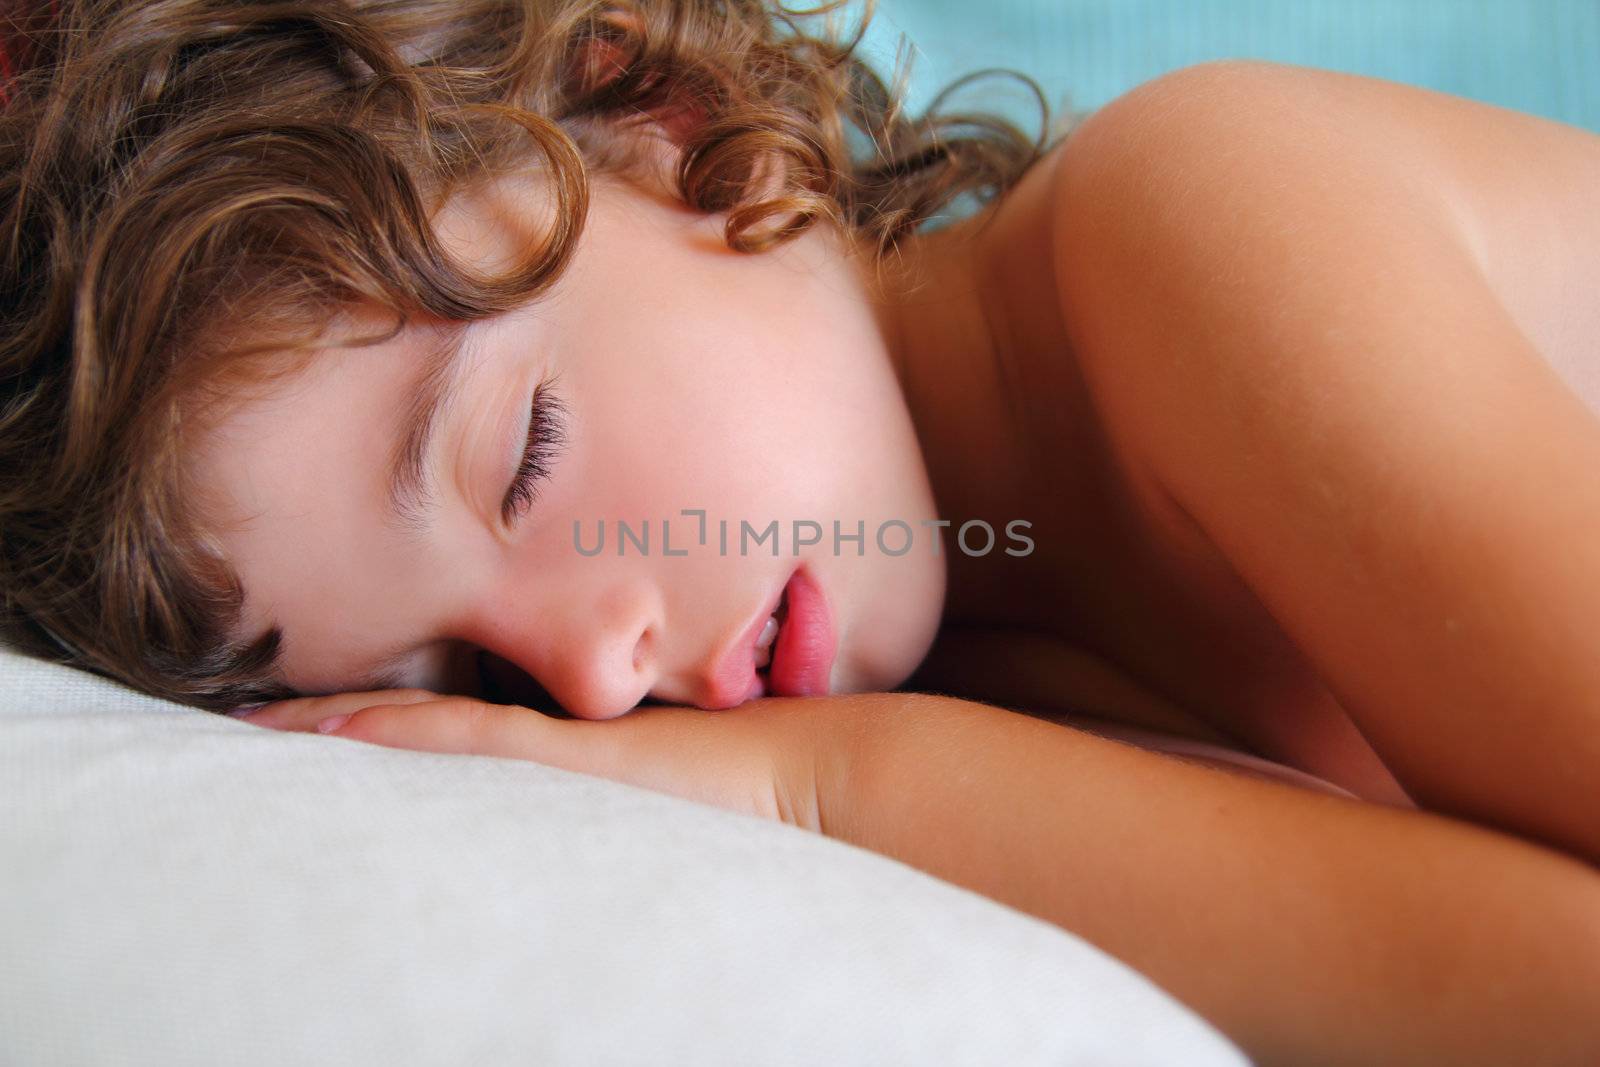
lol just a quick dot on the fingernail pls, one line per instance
(245, 709)
(327, 726)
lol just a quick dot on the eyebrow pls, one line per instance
(411, 490)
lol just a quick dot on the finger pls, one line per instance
(714, 759)
(303, 713)
(634, 748)
(468, 726)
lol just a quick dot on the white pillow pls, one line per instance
(181, 888)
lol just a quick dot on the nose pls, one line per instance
(595, 667)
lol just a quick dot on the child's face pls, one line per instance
(757, 388)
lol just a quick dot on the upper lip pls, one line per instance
(732, 674)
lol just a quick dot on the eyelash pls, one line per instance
(546, 435)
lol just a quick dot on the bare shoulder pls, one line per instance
(1276, 284)
(1515, 190)
(1244, 184)
(1476, 149)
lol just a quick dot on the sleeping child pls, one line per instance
(1194, 543)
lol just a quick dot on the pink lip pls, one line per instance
(802, 659)
(736, 680)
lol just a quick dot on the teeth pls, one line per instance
(769, 634)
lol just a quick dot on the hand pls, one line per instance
(761, 758)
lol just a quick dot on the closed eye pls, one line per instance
(546, 436)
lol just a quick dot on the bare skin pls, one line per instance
(1109, 621)
(1207, 566)
(1137, 587)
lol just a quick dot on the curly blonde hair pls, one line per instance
(188, 185)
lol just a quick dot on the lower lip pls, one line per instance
(802, 658)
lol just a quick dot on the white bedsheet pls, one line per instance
(181, 888)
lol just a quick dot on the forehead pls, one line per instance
(287, 477)
(278, 437)
(287, 467)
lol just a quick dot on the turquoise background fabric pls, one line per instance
(1538, 56)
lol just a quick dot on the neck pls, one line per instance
(950, 335)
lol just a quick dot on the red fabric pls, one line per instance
(7, 71)
(22, 25)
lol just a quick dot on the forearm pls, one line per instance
(1308, 928)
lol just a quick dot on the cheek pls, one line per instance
(693, 429)
(803, 430)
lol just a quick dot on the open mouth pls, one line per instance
(769, 636)
(798, 660)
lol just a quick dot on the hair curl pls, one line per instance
(188, 184)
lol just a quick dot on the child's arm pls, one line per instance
(1273, 282)
(1307, 927)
